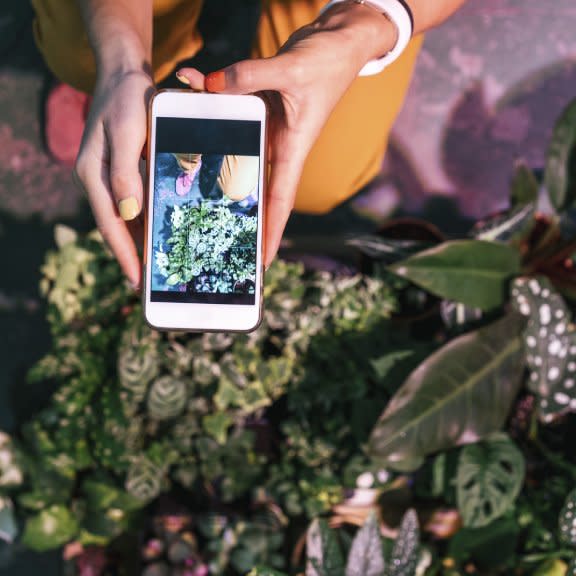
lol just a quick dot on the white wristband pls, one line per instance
(400, 16)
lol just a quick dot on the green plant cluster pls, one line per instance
(137, 413)
(211, 246)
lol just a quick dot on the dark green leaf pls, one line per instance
(50, 529)
(489, 478)
(216, 425)
(489, 547)
(405, 553)
(524, 186)
(559, 175)
(383, 365)
(567, 522)
(460, 394)
(473, 272)
(366, 557)
(324, 556)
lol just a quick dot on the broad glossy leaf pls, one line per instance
(567, 521)
(323, 553)
(489, 478)
(50, 529)
(366, 557)
(473, 272)
(524, 187)
(550, 349)
(559, 177)
(461, 393)
(405, 553)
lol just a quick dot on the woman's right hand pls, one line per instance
(107, 167)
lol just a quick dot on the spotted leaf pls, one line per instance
(366, 557)
(567, 522)
(405, 553)
(549, 344)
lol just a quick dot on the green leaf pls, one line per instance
(510, 227)
(324, 556)
(489, 478)
(489, 546)
(216, 425)
(567, 521)
(524, 187)
(406, 551)
(383, 365)
(461, 393)
(50, 529)
(263, 571)
(473, 272)
(366, 557)
(386, 250)
(559, 174)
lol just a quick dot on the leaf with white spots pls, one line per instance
(550, 346)
(405, 553)
(567, 523)
(366, 557)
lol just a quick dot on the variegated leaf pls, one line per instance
(324, 556)
(567, 522)
(405, 553)
(507, 226)
(366, 557)
(549, 344)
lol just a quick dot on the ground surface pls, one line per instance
(487, 89)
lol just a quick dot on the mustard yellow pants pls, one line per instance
(350, 149)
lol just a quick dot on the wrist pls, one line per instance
(371, 32)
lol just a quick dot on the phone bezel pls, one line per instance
(195, 316)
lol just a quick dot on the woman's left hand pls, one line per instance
(302, 84)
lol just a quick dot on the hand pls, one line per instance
(302, 85)
(107, 165)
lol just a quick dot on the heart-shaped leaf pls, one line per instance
(50, 529)
(559, 177)
(489, 478)
(473, 272)
(567, 522)
(461, 393)
(405, 553)
(366, 557)
(550, 348)
(324, 556)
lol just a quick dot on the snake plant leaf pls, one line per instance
(366, 557)
(559, 176)
(406, 550)
(474, 272)
(567, 521)
(461, 393)
(385, 249)
(323, 553)
(50, 529)
(489, 478)
(507, 227)
(550, 348)
(524, 187)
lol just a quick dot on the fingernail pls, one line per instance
(128, 208)
(216, 82)
(183, 78)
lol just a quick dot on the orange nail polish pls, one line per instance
(216, 82)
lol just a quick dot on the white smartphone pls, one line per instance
(203, 261)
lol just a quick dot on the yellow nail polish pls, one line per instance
(128, 208)
(182, 79)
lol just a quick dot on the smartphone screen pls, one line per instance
(205, 222)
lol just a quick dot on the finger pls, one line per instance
(249, 76)
(191, 77)
(283, 183)
(125, 141)
(114, 230)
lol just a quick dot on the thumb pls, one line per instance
(249, 76)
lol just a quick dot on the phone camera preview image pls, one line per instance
(205, 212)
